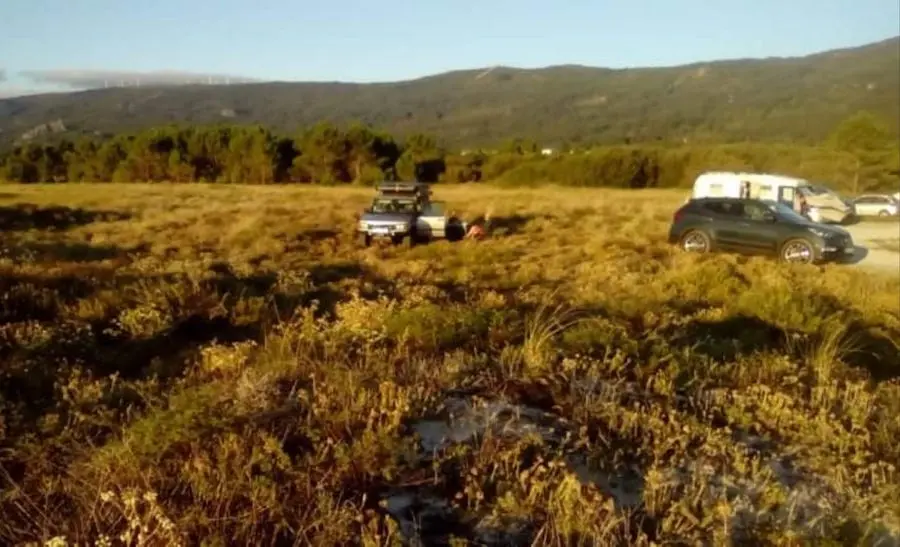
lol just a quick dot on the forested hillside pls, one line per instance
(859, 154)
(783, 99)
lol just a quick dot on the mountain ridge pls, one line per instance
(725, 100)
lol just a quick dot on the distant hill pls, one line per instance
(798, 99)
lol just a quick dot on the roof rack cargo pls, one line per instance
(396, 187)
(417, 190)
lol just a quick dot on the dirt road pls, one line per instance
(877, 245)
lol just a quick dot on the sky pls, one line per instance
(65, 44)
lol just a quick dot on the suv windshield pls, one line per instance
(381, 205)
(786, 212)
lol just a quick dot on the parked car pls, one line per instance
(882, 205)
(754, 226)
(404, 211)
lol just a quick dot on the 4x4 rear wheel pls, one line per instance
(695, 241)
(797, 251)
(884, 213)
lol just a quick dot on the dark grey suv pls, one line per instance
(757, 227)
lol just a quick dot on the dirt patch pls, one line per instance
(879, 245)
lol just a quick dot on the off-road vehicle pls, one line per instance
(403, 211)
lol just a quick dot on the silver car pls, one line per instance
(870, 205)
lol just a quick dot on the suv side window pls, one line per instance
(725, 208)
(755, 211)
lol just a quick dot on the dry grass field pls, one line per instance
(226, 365)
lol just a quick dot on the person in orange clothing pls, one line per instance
(478, 228)
(475, 232)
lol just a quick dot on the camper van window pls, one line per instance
(715, 189)
(762, 191)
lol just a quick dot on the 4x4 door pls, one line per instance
(432, 222)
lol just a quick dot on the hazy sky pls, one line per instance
(357, 40)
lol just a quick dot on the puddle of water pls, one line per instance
(418, 514)
(810, 501)
(625, 488)
(467, 421)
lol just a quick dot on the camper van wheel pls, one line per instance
(797, 251)
(695, 242)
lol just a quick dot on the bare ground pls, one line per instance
(877, 244)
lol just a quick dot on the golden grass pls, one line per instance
(227, 365)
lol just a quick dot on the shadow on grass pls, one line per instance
(38, 297)
(510, 224)
(729, 338)
(26, 216)
(317, 235)
(859, 254)
(864, 346)
(212, 312)
(322, 287)
(62, 252)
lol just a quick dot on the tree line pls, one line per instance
(860, 155)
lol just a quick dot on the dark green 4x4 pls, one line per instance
(754, 226)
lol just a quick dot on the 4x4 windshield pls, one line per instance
(786, 212)
(393, 206)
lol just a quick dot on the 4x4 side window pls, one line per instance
(433, 208)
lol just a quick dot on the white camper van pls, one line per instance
(823, 205)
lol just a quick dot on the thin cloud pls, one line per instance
(86, 79)
(11, 92)
(2, 74)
